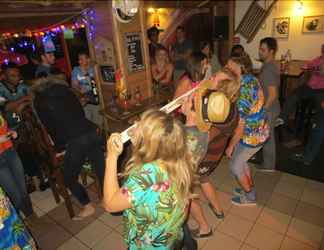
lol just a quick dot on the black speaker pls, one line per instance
(220, 27)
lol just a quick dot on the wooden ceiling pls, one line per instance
(19, 15)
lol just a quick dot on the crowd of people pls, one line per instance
(70, 117)
(232, 113)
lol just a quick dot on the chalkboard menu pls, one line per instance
(134, 52)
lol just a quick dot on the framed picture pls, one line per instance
(313, 24)
(281, 27)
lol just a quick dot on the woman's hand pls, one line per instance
(186, 106)
(12, 134)
(114, 145)
(186, 109)
(219, 76)
(229, 151)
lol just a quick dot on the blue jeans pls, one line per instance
(239, 159)
(269, 148)
(12, 180)
(315, 140)
(77, 150)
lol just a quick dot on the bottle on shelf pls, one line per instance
(138, 96)
(94, 91)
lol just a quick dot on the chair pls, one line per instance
(52, 164)
(305, 114)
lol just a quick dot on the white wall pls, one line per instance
(303, 46)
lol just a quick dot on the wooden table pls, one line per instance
(119, 119)
(294, 71)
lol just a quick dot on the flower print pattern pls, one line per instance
(13, 233)
(251, 108)
(156, 217)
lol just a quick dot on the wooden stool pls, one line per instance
(52, 164)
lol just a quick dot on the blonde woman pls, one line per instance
(158, 177)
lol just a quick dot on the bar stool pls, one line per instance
(304, 118)
(52, 163)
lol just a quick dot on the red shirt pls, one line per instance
(317, 79)
(3, 131)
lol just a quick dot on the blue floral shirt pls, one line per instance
(156, 217)
(13, 233)
(251, 109)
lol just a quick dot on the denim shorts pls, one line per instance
(240, 157)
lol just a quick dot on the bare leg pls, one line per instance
(211, 195)
(248, 173)
(245, 182)
(198, 215)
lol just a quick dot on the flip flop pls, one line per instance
(196, 234)
(220, 215)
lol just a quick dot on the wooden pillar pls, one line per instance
(231, 24)
(98, 78)
(132, 55)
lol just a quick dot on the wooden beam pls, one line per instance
(177, 4)
(48, 2)
(37, 14)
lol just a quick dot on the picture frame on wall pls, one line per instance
(313, 24)
(281, 27)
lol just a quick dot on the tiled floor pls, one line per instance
(289, 216)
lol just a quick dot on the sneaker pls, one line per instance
(279, 122)
(243, 201)
(238, 191)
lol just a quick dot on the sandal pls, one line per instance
(220, 215)
(196, 234)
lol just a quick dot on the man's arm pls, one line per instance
(273, 95)
(313, 63)
(15, 106)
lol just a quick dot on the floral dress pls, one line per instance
(13, 233)
(156, 217)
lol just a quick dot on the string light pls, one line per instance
(85, 18)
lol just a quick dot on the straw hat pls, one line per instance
(211, 106)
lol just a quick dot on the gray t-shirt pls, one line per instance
(270, 76)
(181, 48)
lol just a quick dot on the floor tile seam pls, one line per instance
(294, 216)
(77, 240)
(271, 229)
(287, 196)
(247, 235)
(57, 224)
(231, 236)
(97, 241)
(298, 239)
(301, 242)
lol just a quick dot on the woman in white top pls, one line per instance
(214, 65)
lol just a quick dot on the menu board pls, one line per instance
(135, 59)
